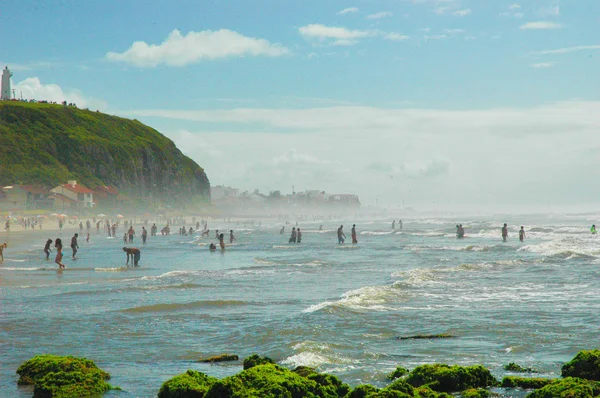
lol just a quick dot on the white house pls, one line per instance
(83, 196)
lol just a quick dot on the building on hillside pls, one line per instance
(6, 93)
(106, 196)
(26, 197)
(83, 196)
(345, 200)
(222, 192)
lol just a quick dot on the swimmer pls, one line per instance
(58, 260)
(222, 241)
(321, 227)
(217, 234)
(231, 237)
(504, 232)
(299, 235)
(135, 255)
(593, 229)
(74, 245)
(212, 247)
(394, 225)
(144, 235)
(354, 240)
(522, 234)
(87, 239)
(341, 235)
(47, 248)
(461, 232)
(293, 236)
(282, 231)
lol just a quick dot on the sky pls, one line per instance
(441, 104)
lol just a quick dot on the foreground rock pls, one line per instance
(569, 387)
(63, 377)
(585, 365)
(445, 378)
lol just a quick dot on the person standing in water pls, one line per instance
(47, 248)
(341, 235)
(222, 241)
(461, 232)
(504, 232)
(74, 245)
(88, 238)
(353, 233)
(231, 237)
(394, 225)
(144, 235)
(135, 255)
(217, 236)
(400, 223)
(293, 236)
(131, 233)
(593, 229)
(522, 234)
(282, 231)
(299, 235)
(58, 260)
(2, 247)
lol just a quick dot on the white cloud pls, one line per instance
(454, 31)
(181, 50)
(379, 15)
(513, 11)
(476, 156)
(514, 6)
(540, 25)
(336, 35)
(396, 37)
(435, 37)
(32, 88)
(349, 10)
(462, 13)
(542, 65)
(551, 11)
(567, 50)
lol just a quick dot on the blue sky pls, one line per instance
(414, 96)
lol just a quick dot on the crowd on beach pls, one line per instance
(133, 254)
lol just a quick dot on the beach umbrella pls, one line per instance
(119, 215)
(74, 217)
(54, 214)
(62, 215)
(101, 215)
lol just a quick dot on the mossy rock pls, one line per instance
(388, 394)
(445, 378)
(402, 386)
(513, 367)
(524, 382)
(220, 358)
(254, 360)
(426, 392)
(397, 373)
(585, 365)
(362, 391)
(70, 384)
(63, 376)
(304, 371)
(569, 387)
(271, 380)
(476, 393)
(190, 384)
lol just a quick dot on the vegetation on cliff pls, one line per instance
(50, 144)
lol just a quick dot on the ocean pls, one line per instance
(339, 308)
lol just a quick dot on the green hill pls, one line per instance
(49, 144)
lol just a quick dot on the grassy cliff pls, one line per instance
(50, 144)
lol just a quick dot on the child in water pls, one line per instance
(521, 234)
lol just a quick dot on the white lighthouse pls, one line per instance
(6, 75)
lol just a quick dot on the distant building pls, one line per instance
(345, 199)
(222, 192)
(82, 197)
(6, 93)
(25, 197)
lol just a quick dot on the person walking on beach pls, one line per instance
(299, 236)
(504, 232)
(353, 233)
(222, 241)
(522, 234)
(59, 246)
(2, 247)
(74, 245)
(47, 248)
(341, 235)
(144, 235)
(293, 236)
(231, 237)
(135, 255)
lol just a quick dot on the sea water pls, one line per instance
(339, 308)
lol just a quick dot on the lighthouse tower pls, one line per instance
(6, 75)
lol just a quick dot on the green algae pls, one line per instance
(304, 371)
(513, 367)
(569, 387)
(362, 391)
(585, 365)
(445, 378)
(524, 382)
(191, 384)
(476, 393)
(63, 376)
(220, 358)
(397, 373)
(254, 360)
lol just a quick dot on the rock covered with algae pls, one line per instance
(524, 382)
(585, 365)
(570, 387)
(63, 377)
(445, 378)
